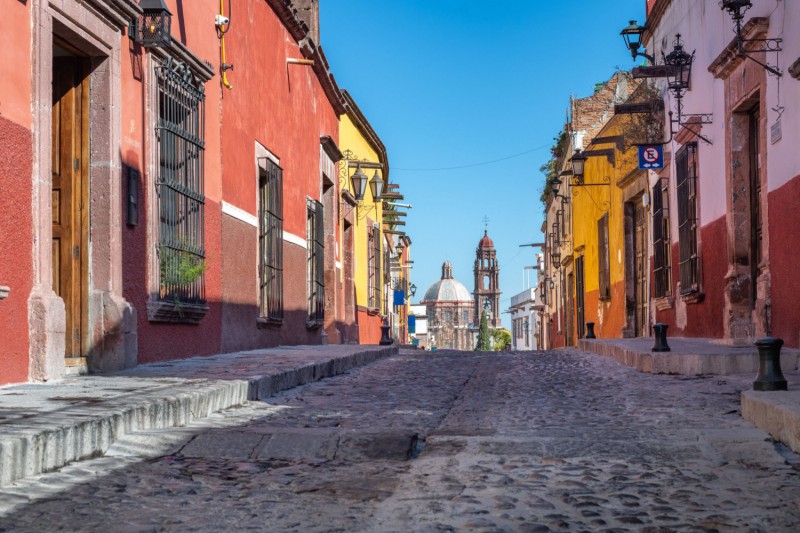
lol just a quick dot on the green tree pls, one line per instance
(502, 339)
(484, 337)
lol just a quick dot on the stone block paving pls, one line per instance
(556, 441)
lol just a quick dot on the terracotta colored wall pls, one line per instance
(16, 167)
(608, 315)
(160, 341)
(16, 262)
(784, 217)
(369, 327)
(703, 319)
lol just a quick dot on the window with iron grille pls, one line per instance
(270, 240)
(180, 183)
(374, 268)
(662, 269)
(686, 169)
(603, 260)
(315, 236)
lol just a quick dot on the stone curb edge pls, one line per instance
(776, 412)
(49, 449)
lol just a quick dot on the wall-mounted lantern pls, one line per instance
(632, 35)
(578, 161)
(152, 27)
(376, 187)
(359, 181)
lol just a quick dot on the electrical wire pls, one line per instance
(482, 163)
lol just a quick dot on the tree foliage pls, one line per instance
(502, 339)
(550, 169)
(484, 337)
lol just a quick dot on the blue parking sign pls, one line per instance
(651, 157)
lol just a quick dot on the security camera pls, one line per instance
(221, 20)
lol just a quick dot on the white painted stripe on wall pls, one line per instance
(339, 265)
(294, 239)
(239, 214)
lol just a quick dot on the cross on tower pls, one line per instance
(485, 222)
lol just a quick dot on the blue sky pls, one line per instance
(469, 84)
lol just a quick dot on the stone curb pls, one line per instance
(776, 412)
(48, 443)
(689, 364)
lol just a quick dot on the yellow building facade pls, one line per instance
(362, 238)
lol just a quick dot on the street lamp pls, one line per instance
(400, 247)
(578, 161)
(359, 181)
(413, 290)
(152, 27)
(376, 187)
(679, 68)
(632, 35)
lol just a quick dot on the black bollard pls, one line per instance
(590, 331)
(769, 375)
(660, 332)
(386, 340)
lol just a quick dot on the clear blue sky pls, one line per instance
(449, 83)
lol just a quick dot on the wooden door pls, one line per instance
(640, 269)
(70, 195)
(580, 289)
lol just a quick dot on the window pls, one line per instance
(448, 316)
(315, 238)
(603, 260)
(374, 267)
(179, 184)
(686, 168)
(465, 317)
(662, 270)
(270, 243)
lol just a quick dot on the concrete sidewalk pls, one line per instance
(691, 357)
(44, 426)
(777, 413)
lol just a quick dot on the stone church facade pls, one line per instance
(450, 310)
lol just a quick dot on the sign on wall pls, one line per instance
(651, 157)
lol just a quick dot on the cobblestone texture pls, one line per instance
(562, 441)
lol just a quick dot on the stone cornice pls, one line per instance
(730, 58)
(329, 145)
(654, 19)
(120, 12)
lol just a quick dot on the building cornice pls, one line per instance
(365, 128)
(654, 19)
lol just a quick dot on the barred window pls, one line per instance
(603, 260)
(662, 269)
(179, 183)
(374, 267)
(315, 235)
(686, 169)
(270, 240)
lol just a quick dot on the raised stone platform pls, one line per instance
(689, 357)
(44, 426)
(776, 412)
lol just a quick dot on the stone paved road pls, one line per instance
(446, 442)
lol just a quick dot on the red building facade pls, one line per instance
(150, 212)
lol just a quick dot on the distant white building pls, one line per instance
(419, 331)
(525, 327)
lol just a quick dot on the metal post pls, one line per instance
(660, 331)
(589, 331)
(769, 376)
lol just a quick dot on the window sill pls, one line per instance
(263, 323)
(373, 311)
(176, 312)
(693, 297)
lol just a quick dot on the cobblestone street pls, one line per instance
(557, 441)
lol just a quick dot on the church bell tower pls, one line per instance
(487, 282)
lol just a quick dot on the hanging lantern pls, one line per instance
(359, 181)
(376, 187)
(152, 27)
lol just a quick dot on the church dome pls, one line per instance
(486, 242)
(447, 289)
